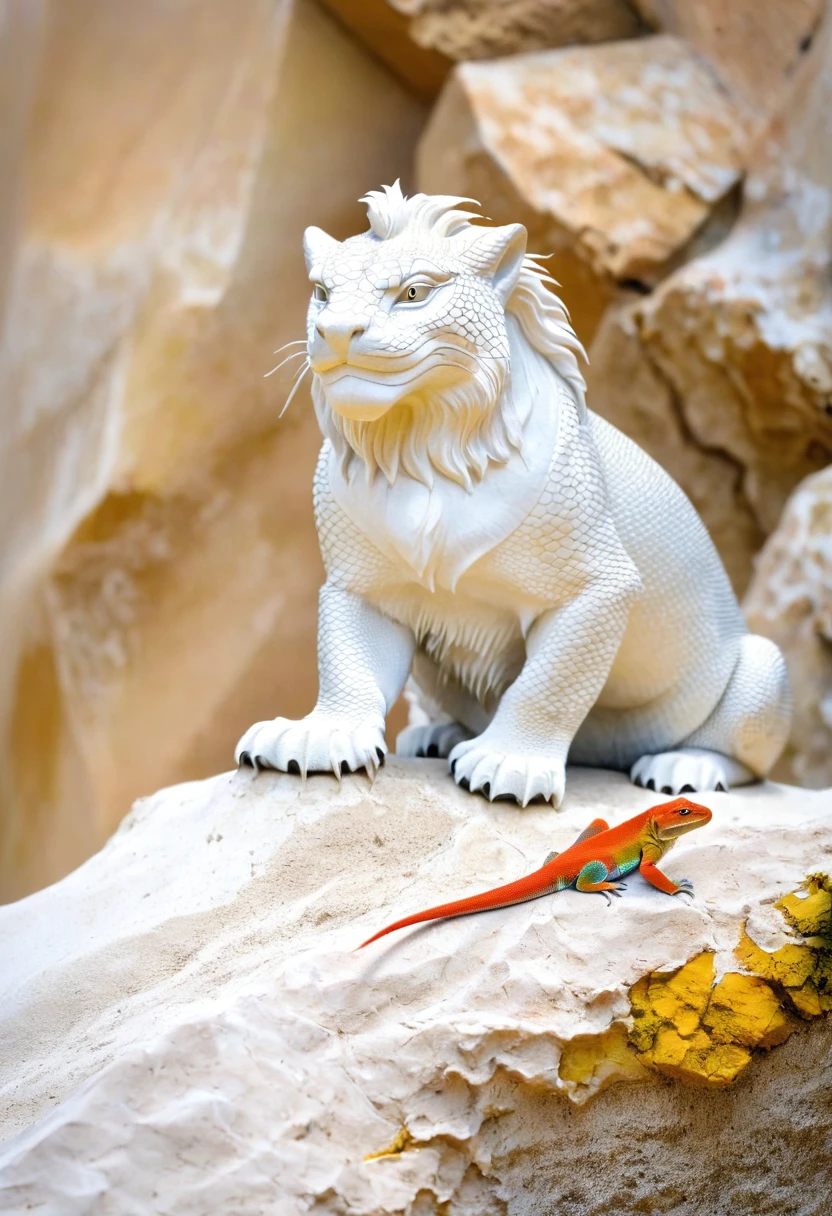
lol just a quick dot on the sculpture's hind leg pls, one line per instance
(741, 739)
(439, 711)
(437, 738)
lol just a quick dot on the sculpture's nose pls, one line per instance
(339, 331)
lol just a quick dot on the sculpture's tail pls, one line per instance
(530, 887)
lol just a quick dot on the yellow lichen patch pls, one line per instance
(687, 1026)
(809, 911)
(678, 998)
(801, 970)
(670, 1002)
(668, 1032)
(402, 1142)
(747, 1011)
(591, 1062)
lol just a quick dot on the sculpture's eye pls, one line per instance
(416, 293)
(320, 293)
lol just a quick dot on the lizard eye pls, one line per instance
(320, 293)
(684, 810)
(416, 293)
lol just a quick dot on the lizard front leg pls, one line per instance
(363, 661)
(522, 753)
(651, 872)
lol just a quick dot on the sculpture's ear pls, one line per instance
(317, 244)
(497, 254)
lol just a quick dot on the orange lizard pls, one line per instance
(595, 862)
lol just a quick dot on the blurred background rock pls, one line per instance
(158, 163)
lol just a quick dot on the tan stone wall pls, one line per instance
(160, 568)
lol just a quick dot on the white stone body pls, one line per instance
(550, 587)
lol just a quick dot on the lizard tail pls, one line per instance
(530, 887)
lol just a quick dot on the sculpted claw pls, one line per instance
(480, 765)
(688, 770)
(317, 743)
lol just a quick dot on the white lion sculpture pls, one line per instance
(550, 588)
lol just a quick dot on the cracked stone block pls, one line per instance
(790, 601)
(420, 40)
(724, 373)
(159, 585)
(485, 29)
(619, 159)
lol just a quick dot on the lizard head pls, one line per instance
(408, 338)
(674, 818)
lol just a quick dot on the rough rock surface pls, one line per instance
(484, 29)
(755, 45)
(724, 373)
(615, 157)
(160, 567)
(421, 39)
(790, 601)
(187, 1028)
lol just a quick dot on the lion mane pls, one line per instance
(458, 432)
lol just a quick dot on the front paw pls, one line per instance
(318, 743)
(477, 765)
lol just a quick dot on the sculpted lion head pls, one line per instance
(408, 339)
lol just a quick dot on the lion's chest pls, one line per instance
(473, 638)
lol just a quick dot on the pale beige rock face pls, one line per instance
(755, 45)
(161, 567)
(732, 353)
(188, 1028)
(21, 27)
(790, 601)
(613, 156)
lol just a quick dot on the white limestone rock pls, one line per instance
(187, 1027)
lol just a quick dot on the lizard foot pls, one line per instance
(689, 770)
(479, 767)
(318, 743)
(684, 886)
(616, 890)
(434, 739)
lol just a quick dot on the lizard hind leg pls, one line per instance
(597, 825)
(594, 879)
